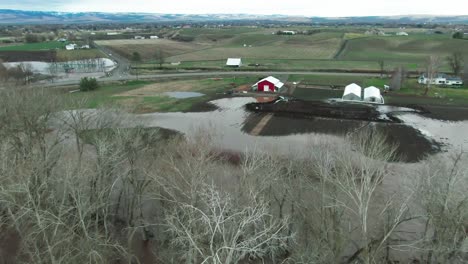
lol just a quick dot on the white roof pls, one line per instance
(371, 92)
(277, 83)
(352, 89)
(234, 62)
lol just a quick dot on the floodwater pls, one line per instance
(183, 95)
(417, 135)
(452, 134)
(92, 65)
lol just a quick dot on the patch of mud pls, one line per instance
(312, 109)
(448, 113)
(452, 134)
(412, 145)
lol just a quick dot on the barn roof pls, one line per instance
(352, 89)
(233, 62)
(277, 83)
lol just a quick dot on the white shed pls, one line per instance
(234, 62)
(352, 92)
(372, 95)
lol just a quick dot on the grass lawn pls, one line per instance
(411, 93)
(35, 46)
(144, 97)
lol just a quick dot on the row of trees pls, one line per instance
(433, 63)
(76, 188)
(21, 73)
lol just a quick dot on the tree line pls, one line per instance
(79, 186)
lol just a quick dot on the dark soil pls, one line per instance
(16, 56)
(412, 146)
(311, 109)
(448, 113)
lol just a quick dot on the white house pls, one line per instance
(234, 62)
(352, 92)
(372, 95)
(441, 79)
(454, 81)
(288, 32)
(402, 33)
(71, 46)
(154, 37)
(268, 84)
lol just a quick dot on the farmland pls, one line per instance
(340, 49)
(143, 96)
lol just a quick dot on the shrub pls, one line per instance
(458, 35)
(88, 84)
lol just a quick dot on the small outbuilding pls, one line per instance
(372, 95)
(402, 33)
(154, 37)
(234, 62)
(352, 92)
(268, 84)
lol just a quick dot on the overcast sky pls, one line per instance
(287, 7)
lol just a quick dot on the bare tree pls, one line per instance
(433, 63)
(455, 61)
(159, 57)
(441, 188)
(216, 231)
(382, 67)
(398, 78)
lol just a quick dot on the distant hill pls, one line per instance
(8, 16)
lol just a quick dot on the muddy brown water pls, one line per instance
(416, 136)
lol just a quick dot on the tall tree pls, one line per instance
(455, 62)
(382, 67)
(432, 68)
(159, 57)
(136, 58)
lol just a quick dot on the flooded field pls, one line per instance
(236, 129)
(183, 95)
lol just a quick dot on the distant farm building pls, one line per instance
(441, 79)
(62, 40)
(402, 34)
(139, 37)
(154, 37)
(288, 32)
(352, 92)
(71, 46)
(372, 95)
(112, 33)
(269, 84)
(85, 47)
(234, 62)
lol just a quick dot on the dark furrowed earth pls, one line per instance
(341, 119)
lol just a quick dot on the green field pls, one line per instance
(413, 48)
(411, 93)
(341, 49)
(144, 96)
(35, 46)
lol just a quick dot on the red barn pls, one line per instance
(269, 84)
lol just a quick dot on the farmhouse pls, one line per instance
(288, 32)
(234, 62)
(372, 95)
(268, 84)
(352, 92)
(70, 46)
(441, 79)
